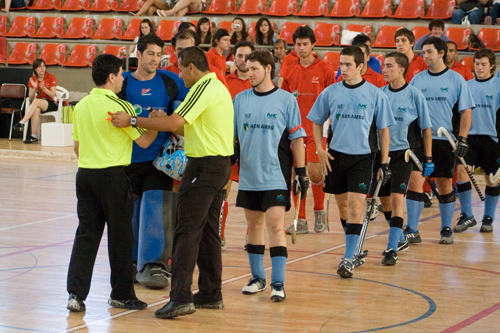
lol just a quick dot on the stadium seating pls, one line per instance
(13, 92)
(3, 25)
(19, 27)
(133, 30)
(108, 28)
(459, 35)
(365, 29)
(166, 29)
(380, 58)
(282, 8)
(252, 7)
(490, 38)
(468, 62)
(126, 5)
(221, 7)
(115, 50)
(376, 9)
(420, 32)
(50, 27)
(287, 31)
(3, 50)
(69, 5)
(22, 54)
(81, 56)
(332, 59)
(385, 37)
(409, 9)
(53, 54)
(97, 6)
(79, 27)
(228, 25)
(42, 5)
(313, 8)
(440, 9)
(327, 34)
(344, 8)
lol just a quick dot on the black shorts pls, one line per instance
(262, 200)
(443, 158)
(483, 152)
(350, 173)
(144, 176)
(52, 106)
(400, 174)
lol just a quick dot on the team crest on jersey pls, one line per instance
(340, 106)
(444, 89)
(400, 109)
(362, 106)
(315, 79)
(402, 186)
(248, 115)
(280, 198)
(245, 127)
(337, 116)
(424, 90)
(490, 97)
(295, 93)
(146, 92)
(137, 109)
(362, 186)
(272, 115)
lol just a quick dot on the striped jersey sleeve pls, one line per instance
(133, 132)
(195, 102)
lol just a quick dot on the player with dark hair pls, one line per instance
(267, 122)
(372, 62)
(367, 73)
(358, 111)
(483, 140)
(452, 62)
(306, 79)
(220, 44)
(405, 41)
(450, 103)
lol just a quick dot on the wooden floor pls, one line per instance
(433, 288)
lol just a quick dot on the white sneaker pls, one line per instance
(223, 245)
(254, 286)
(277, 292)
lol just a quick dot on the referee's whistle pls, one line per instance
(109, 119)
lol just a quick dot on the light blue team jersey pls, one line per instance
(151, 95)
(411, 116)
(486, 94)
(447, 94)
(356, 113)
(498, 73)
(264, 124)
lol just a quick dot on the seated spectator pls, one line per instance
(494, 17)
(436, 28)
(181, 7)
(186, 25)
(152, 6)
(146, 27)
(204, 30)
(42, 90)
(471, 8)
(264, 32)
(13, 4)
(239, 31)
(280, 51)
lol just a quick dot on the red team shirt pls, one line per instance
(216, 60)
(236, 85)
(175, 69)
(371, 76)
(416, 66)
(49, 80)
(463, 70)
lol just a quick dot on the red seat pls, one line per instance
(81, 56)
(468, 62)
(228, 25)
(288, 30)
(332, 59)
(459, 35)
(126, 5)
(490, 38)
(53, 54)
(42, 5)
(419, 32)
(115, 50)
(22, 54)
(344, 8)
(20, 26)
(133, 30)
(409, 9)
(380, 58)
(79, 27)
(282, 8)
(376, 8)
(108, 29)
(327, 34)
(221, 7)
(385, 37)
(252, 7)
(3, 50)
(49, 28)
(97, 6)
(69, 5)
(3, 25)
(313, 8)
(440, 9)
(166, 29)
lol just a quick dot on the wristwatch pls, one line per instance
(133, 121)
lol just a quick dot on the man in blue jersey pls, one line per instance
(150, 89)
(483, 140)
(267, 120)
(450, 103)
(411, 118)
(357, 109)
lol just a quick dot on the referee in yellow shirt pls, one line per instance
(103, 188)
(206, 115)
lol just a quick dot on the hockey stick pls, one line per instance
(295, 220)
(442, 131)
(328, 211)
(221, 215)
(495, 177)
(410, 154)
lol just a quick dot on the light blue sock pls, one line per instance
(447, 210)
(351, 243)
(278, 261)
(414, 210)
(256, 260)
(490, 201)
(465, 197)
(394, 237)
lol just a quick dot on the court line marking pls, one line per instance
(471, 320)
(37, 222)
(33, 211)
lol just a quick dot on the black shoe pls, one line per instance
(446, 236)
(204, 302)
(153, 276)
(487, 226)
(18, 127)
(131, 304)
(31, 139)
(427, 200)
(75, 303)
(464, 223)
(174, 309)
(412, 237)
(390, 258)
(404, 245)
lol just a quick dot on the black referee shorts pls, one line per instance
(350, 173)
(400, 174)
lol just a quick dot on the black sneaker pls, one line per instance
(175, 309)
(153, 276)
(75, 303)
(203, 302)
(390, 257)
(404, 245)
(412, 237)
(428, 200)
(487, 226)
(464, 223)
(18, 127)
(31, 139)
(446, 236)
(131, 304)
(345, 268)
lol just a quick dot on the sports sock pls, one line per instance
(465, 197)
(351, 239)
(414, 207)
(388, 216)
(224, 217)
(318, 194)
(490, 201)
(344, 224)
(256, 259)
(395, 232)
(447, 208)
(279, 256)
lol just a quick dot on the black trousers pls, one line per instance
(196, 236)
(104, 196)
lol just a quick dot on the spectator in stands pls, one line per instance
(453, 64)
(220, 44)
(405, 40)
(239, 31)
(373, 63)
(264, 32)
(146, 27)
(204, 30)
(436, 28)
(494, 16)
(280, 52)
(152, 6)
(473, 9)
(186, 26)
(13, 4)
(42, 90)
(181, 7)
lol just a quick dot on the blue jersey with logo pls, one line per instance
(264, 124)
(151, 95)
(486, 94)
(356, 113)
(411, 116)
(446, 94)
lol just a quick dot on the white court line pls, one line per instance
(30, 211)
(37, 222)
